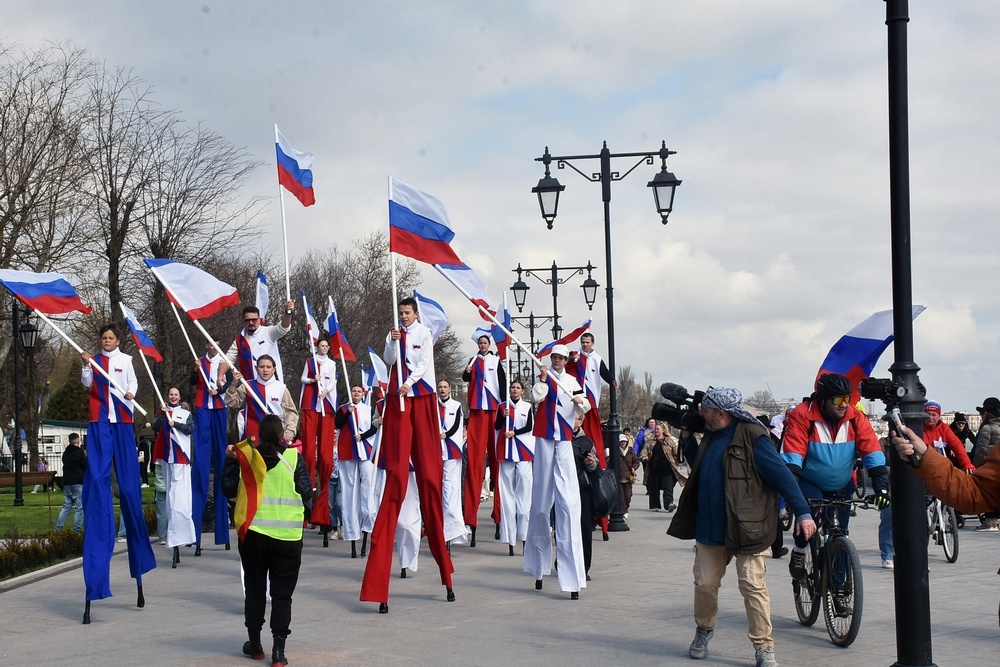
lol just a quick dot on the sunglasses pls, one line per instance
(841, 400)
(251, 320)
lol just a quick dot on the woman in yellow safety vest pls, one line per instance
(271, 484)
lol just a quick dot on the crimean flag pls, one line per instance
(294, 170)
(857, 351)
(338, 340)
(565, 340)
(419, 226)
(253, 469)
(431, 315)
(139, 335)
(48, 293)
(196, 292)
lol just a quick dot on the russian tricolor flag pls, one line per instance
(294, 169)
(48, 293)
(196, 292)
(338, 341)
(565, 340)
(312, 327)
(431, 315)
(857, 351)
(139, 335)
(379, 375)
(419, 226)
(472, 285)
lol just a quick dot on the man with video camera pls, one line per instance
(821, 440)
(730, 508)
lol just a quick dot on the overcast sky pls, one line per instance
(779, 239)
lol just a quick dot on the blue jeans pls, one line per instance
(73, 497)
(885, 533)
(336, 518)
(161, 515)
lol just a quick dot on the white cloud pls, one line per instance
(779, 241)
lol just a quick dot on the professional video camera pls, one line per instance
(683, 414)
(881, 389)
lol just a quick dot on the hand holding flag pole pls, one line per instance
(51, 294)
(90, 360)
(199, 294)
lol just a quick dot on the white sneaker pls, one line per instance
(887, 564)
(699, 647)
(765, 657)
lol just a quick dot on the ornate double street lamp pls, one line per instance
(664, 184)
(520, 288)
(532, 322)
(27, 334)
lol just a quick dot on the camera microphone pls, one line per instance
(674, 392)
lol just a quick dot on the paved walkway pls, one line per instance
(637, 610)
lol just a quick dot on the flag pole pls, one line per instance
(243, 380)
(486, 313)
(93, 363)
(508, 415)
(343, 365)
(149, 371)
(284, 231)
(395, 308)
(173, 299)
(312, 350)
(187, 338)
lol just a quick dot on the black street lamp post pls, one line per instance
(533, 322)
(520, 288)
(909, 532)
(548, 190)
(27, 334)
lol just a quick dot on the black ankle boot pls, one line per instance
(354, 548)
(472, 542)
(177, 557)
(278, 658)
(252, 647)
(451, 595)
(364, 544)
(496, 535)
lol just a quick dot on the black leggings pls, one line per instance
(266, 558)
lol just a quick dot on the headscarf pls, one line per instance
(730, 401)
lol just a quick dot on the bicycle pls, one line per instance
(831, 556)
(861, 474)
(942, 527)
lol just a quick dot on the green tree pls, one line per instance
(69, 402)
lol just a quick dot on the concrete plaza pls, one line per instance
(637, 610)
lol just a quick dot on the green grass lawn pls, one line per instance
(38, 514)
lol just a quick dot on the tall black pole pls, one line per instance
(16, 436)
(616, 522)
(555, 302)
(909, 521)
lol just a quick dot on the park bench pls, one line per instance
(29, 478)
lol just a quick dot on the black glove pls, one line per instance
(881, 499)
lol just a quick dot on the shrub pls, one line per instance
(24, 554)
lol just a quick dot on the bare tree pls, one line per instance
(128, 133)
(763, 400)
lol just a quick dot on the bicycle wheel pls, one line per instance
(949, 530)
(806, 592)
(862, 488)
(842, 603)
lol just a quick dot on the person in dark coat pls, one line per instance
(585, 456)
